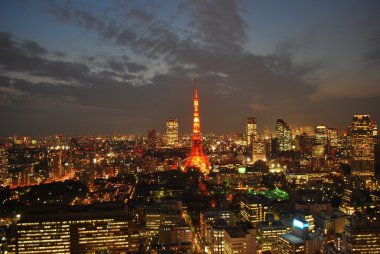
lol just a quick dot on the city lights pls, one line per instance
(189, 127)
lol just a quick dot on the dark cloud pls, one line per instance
(33, 48)
(116, 65)
(59, 54)
(134, 67)
(372, 56)
(219, 22)
(102, 93)
(126, 37)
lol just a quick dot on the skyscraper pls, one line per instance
(3, 165)
(152, 138)
(197, 158)
(321, 135)
(78, 229)
(362, 145)
(362, 234)
(283, 134)
(251, 130)
(332, 141)
(258, 150)
(171, 132)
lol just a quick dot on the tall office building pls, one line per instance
(3, 165)
(284, 137)
(268, 232)
(217, 239)
(332, 141)
(362, 145)
(207, 218)
(253, 208)
(75, 229)
(251, 130)
(171, 136)
(290, 244)
(362, 234)
(258, 150)
(175, 238)
(152, 139)
(299, 241)
(240, 239)
(321, 135)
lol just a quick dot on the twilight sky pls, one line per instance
(92, 67)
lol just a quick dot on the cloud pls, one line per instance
(149, 74)
(372, 56)
(258, 106)
(33, 48)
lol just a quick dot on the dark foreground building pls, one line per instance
(101, 228)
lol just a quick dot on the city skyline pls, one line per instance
(92, 68)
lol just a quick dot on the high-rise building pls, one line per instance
(207, 218)
(362, 145)
(299, 241)
(176, 238)
(258, 150)
(168, 213)
(290, 244)
(321, 135)
(76, 229)
(3, 165)
(240, 239)
(362, 234)
(332, 141)
(253, 208)
(197, 157)
(217, 239)
(152, 138)
(171, 136)
(284, 137)
(251, 130)
(268, 232)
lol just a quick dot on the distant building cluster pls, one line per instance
(310, 189)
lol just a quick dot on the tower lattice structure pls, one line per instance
(197, 157)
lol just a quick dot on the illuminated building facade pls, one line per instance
(207, 218)
(290, 244)
(253, 208)
(152, 139)
(76, 232)
(362, 234)
(217, 237)
(171, 136)
(258, 150)
(321, 135)
(251, 130)
(240, 239)
(299, 241)
(284, 137)
(3, 166)
(176, 238)
(197, 157)
(168, 213)
(268, 232)
(332, 141)
(362, 145)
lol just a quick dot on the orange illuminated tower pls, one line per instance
(197, 158)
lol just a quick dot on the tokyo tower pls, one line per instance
(197, 158)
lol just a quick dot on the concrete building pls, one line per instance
(75, 229)
(362, 234)
(240, 239)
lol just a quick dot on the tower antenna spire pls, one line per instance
(197, 158)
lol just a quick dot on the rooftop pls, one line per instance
(292, 238)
